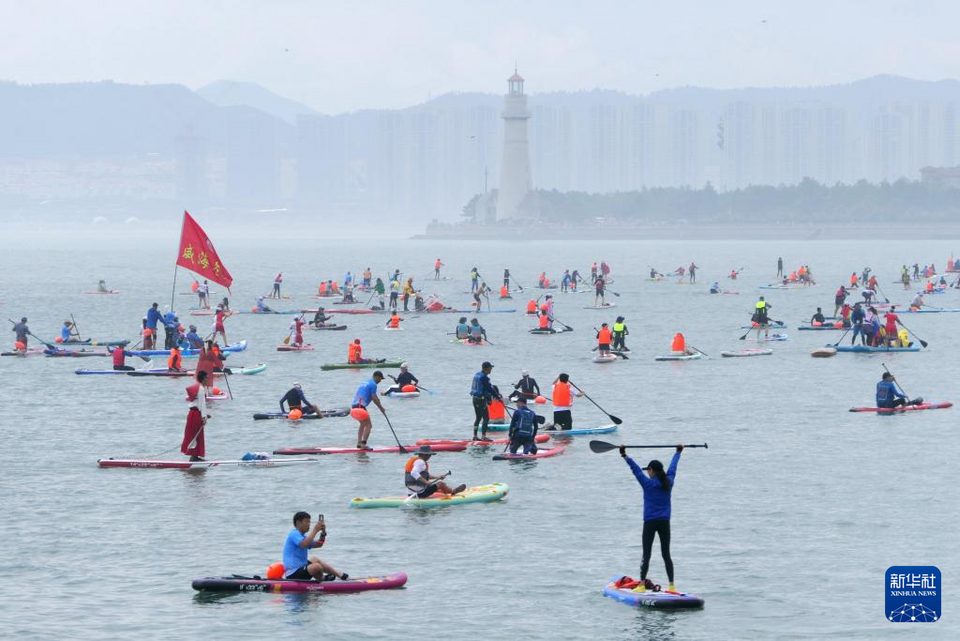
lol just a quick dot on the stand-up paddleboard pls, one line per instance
(583, 431)
(185, 464)
(478, 494)
(524, 457)
(663, 600)
(331, 413)
(539, 438)
(903, 408)
(679, 357)
(385, 364)
(298, 451)
(741, 353)
(867, 349)
(295, 348)
(237, 583)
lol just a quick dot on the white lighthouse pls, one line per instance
(515, 182)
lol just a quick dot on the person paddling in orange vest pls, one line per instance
(545, 321)
(417, 477)
(394, 321)
(436, 269)
(531, 307)
(604, 338)
(562, 403)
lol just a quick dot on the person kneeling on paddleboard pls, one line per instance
(657, 488)
(562, 402)
(889, 394)
(477, 333)
(297, 565)
(463, 330)
(297, 400)
(404, 379)
(417, 476)
(523, 428)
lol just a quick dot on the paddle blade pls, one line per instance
(615, 419)
(599, 447)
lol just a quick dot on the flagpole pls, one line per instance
(173, 295)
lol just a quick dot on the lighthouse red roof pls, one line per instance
(515, 77)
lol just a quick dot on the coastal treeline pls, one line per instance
(863, 203)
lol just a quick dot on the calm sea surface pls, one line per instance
(785, 525)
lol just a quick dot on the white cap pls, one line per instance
(403, 366)
(525, 373)
(297, 385)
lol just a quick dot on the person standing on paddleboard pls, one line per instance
(297, 564)
(366, 394)
(620, 333)
(604, 338)
(482, 393)
(297, 327)
(193, 442)
(394, 293)
(523, 428)
(891, 320)
(506, 279)
(526, 387)
(563, 403)
(436, 269)
(780, 267)
(218, 328)
(296, 400)
(657, 489)
(276, 286)
(417, 477)
(599, 286)
(474, 279)
(154, 317)
(692, 270)
(203, 294)
(761, 318)
(379, 289)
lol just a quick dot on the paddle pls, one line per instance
(902, 391)
(613, 418)
(556, 320)
(922, 342)
(885, 299)
(430, 392)
(842, 336)
(699, 350)
(744, 337)
(438, 478)
(599, 447)
(226, 379)
(516, 283)
(286, 341)
(74, 321)
(29, 333)
(403, 450)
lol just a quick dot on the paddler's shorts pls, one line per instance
(427, 491)
(300, 574)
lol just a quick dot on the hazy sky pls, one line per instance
(340, 56)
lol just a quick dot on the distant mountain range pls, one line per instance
(101, 119)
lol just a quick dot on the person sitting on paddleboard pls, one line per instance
(482, 392)
(102, 287)
(818, 318)
(194, 341)
(175, 360)
(562, 403)
(296, 399)
(418, 304)
(463, 330)
(477, 333)
(355, 353)
(604, 338)
(402, 380)
(917, 301)
(366, 393)
(68, 332)
(715, 287)
(868, 295)
(657, 489)
(297, 564)
(526, 387)
(119, 359)
(262, 307)
(320, 318)
(620, 333)
(523, 428)
(417, 479)
(889, 394)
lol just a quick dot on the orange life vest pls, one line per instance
(394, 321)
(353, 353)
(604, 336)
(504, 292)
(323, 288)
(437, 264)
(679, 343)
(532, 307)
(544, 321)
(561, 395)
(335, 287)
(496, 410)
(175, 361)
(853, 279)
(793, 276)
(413, 459)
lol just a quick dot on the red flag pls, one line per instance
(198, 254)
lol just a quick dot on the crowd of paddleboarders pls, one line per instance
(514, 413)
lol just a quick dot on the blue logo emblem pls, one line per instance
(913, 594)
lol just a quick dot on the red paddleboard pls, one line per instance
(433, 442)
(905, 408)
(540, 454)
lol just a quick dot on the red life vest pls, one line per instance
(561, 395)
(532, 307)
(353, 353)
(118, 356)
(544, 321)
(175, 360)
(604, 336)
(394, 321)
(193, 391)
